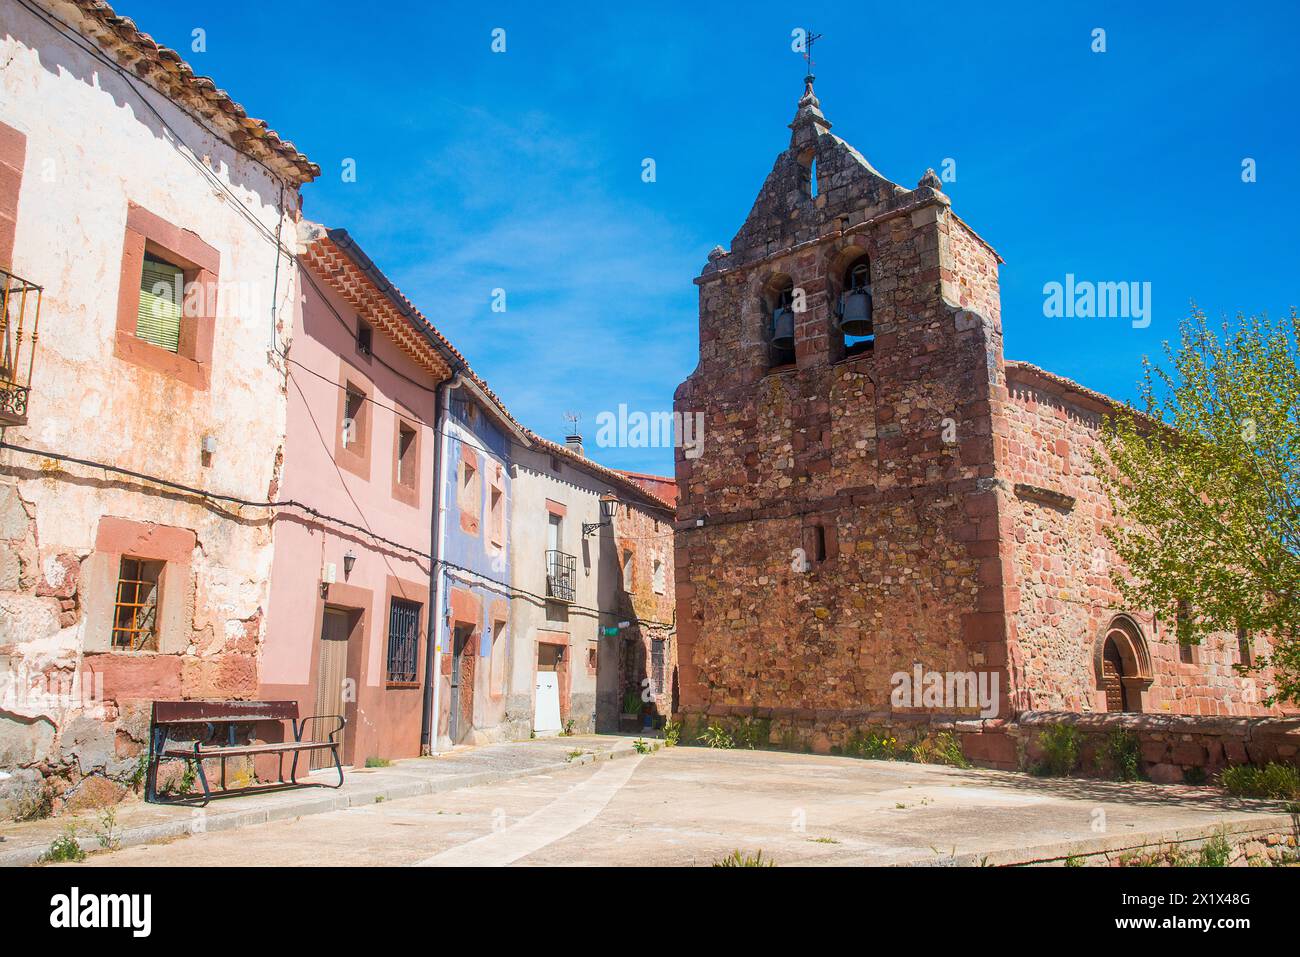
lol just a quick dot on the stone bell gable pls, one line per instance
(841, 523)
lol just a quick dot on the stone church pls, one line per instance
(881, 492)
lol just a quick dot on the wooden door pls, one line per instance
(1112, 673)
(331, 675)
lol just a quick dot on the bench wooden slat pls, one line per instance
(247, 749)
(197, 712)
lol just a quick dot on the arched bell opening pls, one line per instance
(854, 330)
(779, 320)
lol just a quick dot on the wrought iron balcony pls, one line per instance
(20, 316)
(561, 576)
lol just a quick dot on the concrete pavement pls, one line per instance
(140, 823)
(686, 806)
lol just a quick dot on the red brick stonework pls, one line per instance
(943, 498)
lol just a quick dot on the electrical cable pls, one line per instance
(313, 512)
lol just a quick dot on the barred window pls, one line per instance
(657, 660)
(403, 641)
(135, 611)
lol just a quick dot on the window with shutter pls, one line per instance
(158, 319)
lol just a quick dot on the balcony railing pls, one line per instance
(20, 316)
(561, 576)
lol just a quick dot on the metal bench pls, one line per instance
(168, 715)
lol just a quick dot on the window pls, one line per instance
(853, 319)
(497, 516)
(406, 455)
(167, 299)
(403, 642)
(657, 577)
(162, 302)
(353, 420)
(808, 173)
(365, 338)
(135, 610)
(658, 646)
(628, 566)
(1244, 650)
(779, 305)
(1185, 650)
(499, 656)
(554, 532)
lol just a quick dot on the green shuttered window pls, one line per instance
(158, 319)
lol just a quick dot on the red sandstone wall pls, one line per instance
(912, 571)
(1063, 565)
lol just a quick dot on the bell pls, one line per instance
(783, 327)
(855, 312)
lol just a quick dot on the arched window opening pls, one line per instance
(780, 323)
(853, 316)
(808, 174)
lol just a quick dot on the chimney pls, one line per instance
(573, 442)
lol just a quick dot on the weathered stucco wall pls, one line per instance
(92, 150)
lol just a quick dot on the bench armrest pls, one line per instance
(300, 725)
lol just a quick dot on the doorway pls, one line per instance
(331, 677)
(461, 717)
(546, 709)
(1113, 675)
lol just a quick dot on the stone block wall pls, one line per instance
(1173, 748)
(1063, 565)
(842, 522)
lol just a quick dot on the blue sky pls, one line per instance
(522, 170)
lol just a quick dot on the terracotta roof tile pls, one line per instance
(167, 72)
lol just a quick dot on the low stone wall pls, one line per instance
(1170, 746)
(985, 742)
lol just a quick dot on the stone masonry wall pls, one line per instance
(889, 452)
(1063, 564)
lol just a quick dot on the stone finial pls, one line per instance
(931, 179)
(716, 253)
(809, 98)
(808, 122)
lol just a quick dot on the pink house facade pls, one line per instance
(349, 614)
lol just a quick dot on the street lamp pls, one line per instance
(608, 509)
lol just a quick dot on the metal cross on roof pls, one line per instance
(807, 48)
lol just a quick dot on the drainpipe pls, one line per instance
(433, 652)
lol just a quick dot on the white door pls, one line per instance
(547, 715)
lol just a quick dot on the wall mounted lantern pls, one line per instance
(608, 509)
(349, 560)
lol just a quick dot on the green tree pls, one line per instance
(1204, 477)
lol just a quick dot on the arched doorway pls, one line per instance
(1123, 664)
(1113, 674)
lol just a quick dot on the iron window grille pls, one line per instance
(135, 610)
(403, 641)
(561, 576)
(20, 315)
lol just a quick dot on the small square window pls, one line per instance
(365, 338)
(135, 610)
(162, 298)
